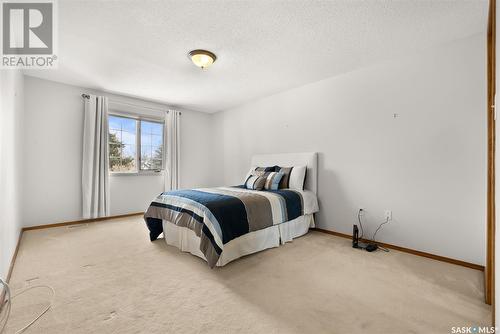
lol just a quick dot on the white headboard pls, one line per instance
(309, 159)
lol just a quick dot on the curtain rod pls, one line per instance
(87, 96)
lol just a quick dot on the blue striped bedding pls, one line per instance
(219, 215)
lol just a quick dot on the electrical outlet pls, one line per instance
(388, 214)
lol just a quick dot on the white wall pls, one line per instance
(11, 123)
(428, 165)
(53, 150)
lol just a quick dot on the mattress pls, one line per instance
(187, 241)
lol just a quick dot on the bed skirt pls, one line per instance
(252, 242)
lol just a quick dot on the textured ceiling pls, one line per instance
(139, 48)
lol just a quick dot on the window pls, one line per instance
(122, 144)
(135, 145)
(151, 145)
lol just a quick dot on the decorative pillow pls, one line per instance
(284, 183)
(261, 169)
(273, 180)
(293, 178)
(256, 181)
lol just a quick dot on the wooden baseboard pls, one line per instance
(409, 251)
(81, 221)
(13, 259)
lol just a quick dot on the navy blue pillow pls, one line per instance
(267, 169)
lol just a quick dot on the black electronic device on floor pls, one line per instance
(371, 247)
(355, 238)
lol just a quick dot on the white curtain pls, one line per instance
(95, 163)
(172, 142)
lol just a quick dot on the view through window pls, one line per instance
(135, 145)
(151, 145)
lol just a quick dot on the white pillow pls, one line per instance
(297, 177)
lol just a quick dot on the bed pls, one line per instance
(223, 224)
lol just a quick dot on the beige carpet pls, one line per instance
(109, 278)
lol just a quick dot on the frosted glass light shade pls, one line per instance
(202, 58)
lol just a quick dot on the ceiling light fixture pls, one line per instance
(202, 58)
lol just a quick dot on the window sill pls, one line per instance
(143, 173)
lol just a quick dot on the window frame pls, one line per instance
(138, 144)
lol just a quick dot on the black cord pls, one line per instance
(360, 225)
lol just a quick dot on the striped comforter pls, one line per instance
(219, 215)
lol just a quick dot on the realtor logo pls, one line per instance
(28, 34)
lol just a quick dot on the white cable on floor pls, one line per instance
(8, 304)
(5, 304)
